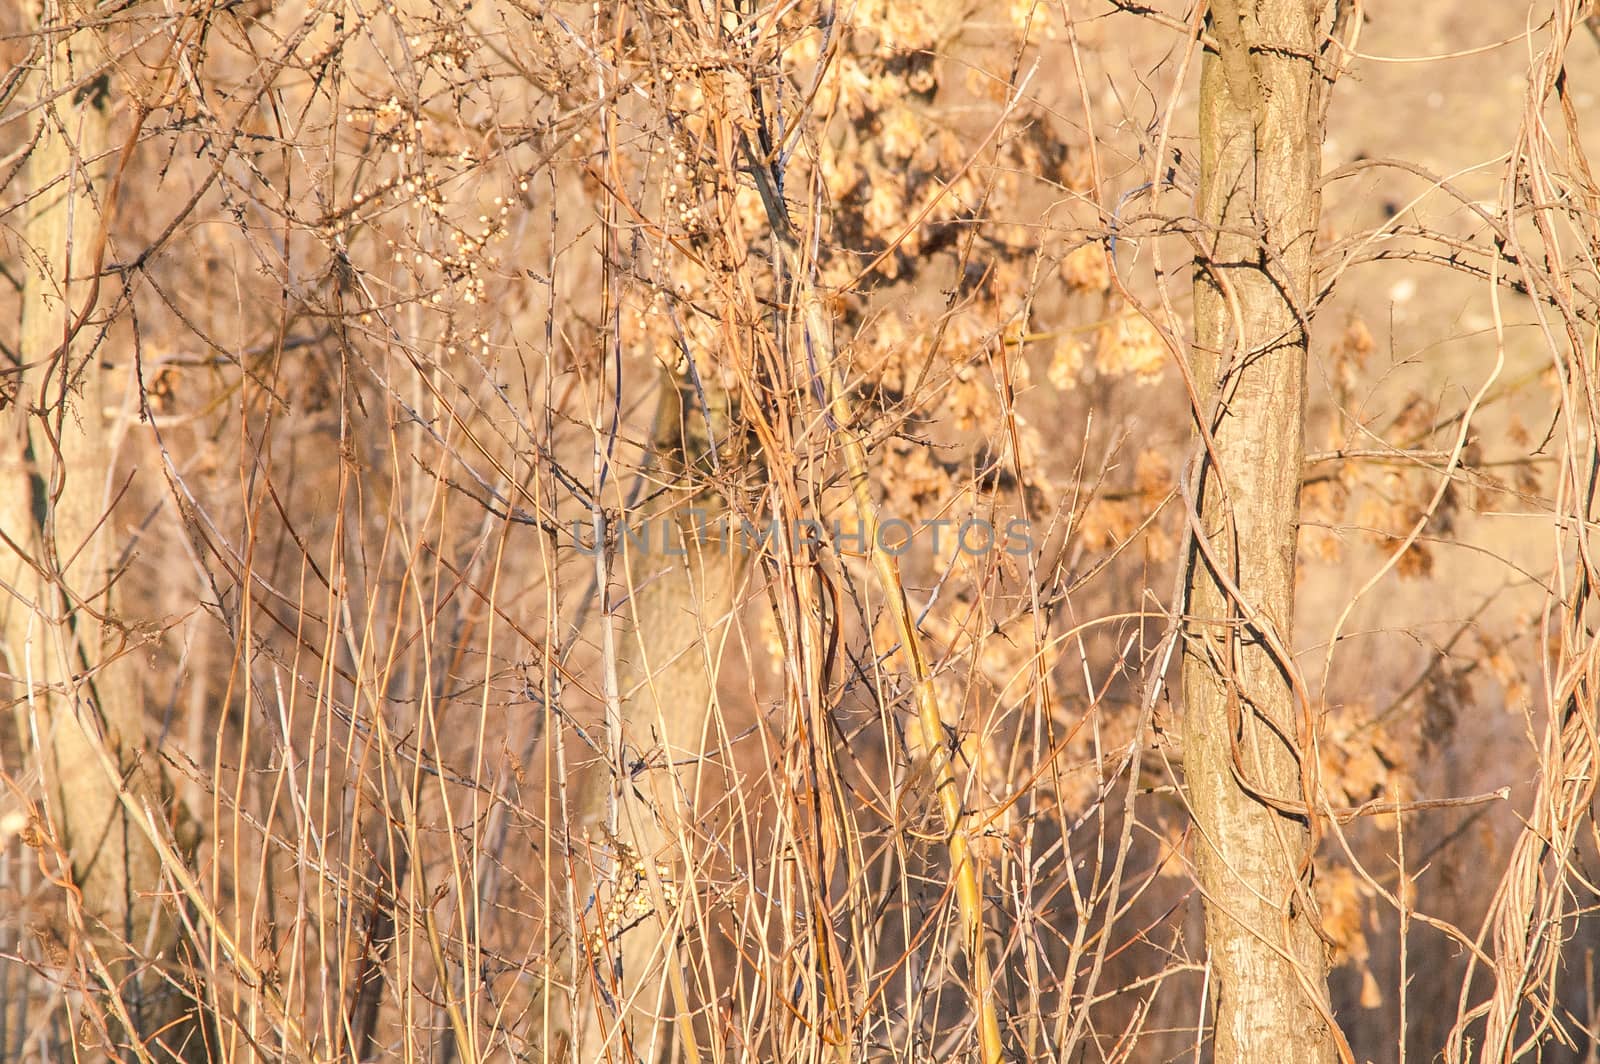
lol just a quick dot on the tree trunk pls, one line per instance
(1260, 142)
(71, 663)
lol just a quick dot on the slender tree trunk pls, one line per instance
(1260, 142)
(66, 654)
(673, 627)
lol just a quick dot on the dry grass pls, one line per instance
(393, 286)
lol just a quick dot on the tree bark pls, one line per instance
(1260, 142)
(67, 656)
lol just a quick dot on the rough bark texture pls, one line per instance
(1260, 164)
(672, 631)
(74, 684)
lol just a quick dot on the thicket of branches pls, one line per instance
(361, 359)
